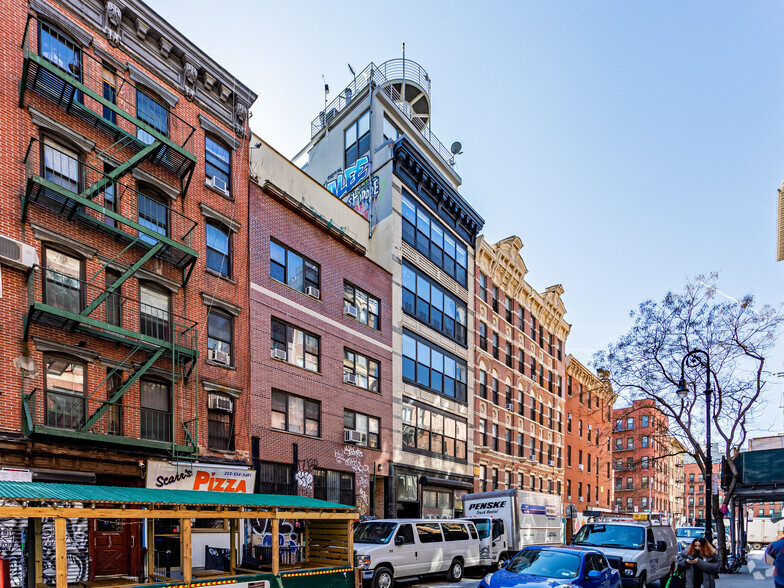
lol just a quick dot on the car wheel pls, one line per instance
(383, 578)
(455, 573)
(756, 546)
(643, 581)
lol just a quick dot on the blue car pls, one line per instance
(538, 566)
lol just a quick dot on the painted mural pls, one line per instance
(351, 177)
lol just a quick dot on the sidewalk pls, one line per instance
(756, 573)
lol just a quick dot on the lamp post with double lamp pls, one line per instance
(693, 359)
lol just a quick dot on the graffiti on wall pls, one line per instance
(13, 540)
(363, 197)
(304, 475)
(349, 178)
(352, 457)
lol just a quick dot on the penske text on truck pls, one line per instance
(508, 520)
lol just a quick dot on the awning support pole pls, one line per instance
(61, 558)
(275, 547)
(233, 548)
(185, 536)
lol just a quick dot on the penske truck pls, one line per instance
(508, 520)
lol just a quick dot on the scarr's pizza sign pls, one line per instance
(194, 476)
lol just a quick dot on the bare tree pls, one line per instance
(646, 363)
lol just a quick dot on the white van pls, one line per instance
(392, 549)
(641, 547)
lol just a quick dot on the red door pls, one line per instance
(112, 544)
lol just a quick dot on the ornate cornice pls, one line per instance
(594, 383)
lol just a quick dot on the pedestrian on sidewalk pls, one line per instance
(774, 555)
(700, 563)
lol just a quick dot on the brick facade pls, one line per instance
(277, 216)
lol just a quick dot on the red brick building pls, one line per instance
(520, 373)
(641, 451)
(588, 476)
(321, 339)
(122, 248)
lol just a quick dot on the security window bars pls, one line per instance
(369, 428)
(431, 367)
(368, 307)
(219, 249)
(357, 139)
(301, 348)
(291, 268)
(295, 414)
(334, 486)
(220, 415)
(217, 161)
(433, 305)
(429, 237)
(366, 371)
(432, 432)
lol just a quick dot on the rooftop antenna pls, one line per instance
(326, 93)
(350, 91)
(456, 149)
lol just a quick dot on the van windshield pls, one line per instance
(617, 536)
(482, 527)
(378, 533)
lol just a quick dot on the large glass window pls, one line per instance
(433, 432)
(61, 165)
(430, 238)
(432, 367)
(151, 111)
(65, 382)
(220, 332)
(368, 307)
(295, 414)
(218, 249)
(220, 414)
(292, 269)
(154, 312)
(366, 371)
(357, 138)
(217, 163)
(433, 305)
(369, 427)
(300, 347)
(155, 413)
(63, 281)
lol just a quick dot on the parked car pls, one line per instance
(545, 565)
(641, 547)
(391, 549)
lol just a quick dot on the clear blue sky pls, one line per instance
(629, 144)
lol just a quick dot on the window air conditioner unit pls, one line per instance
(580, 499)
(16, 254)
(218, 356)
(279, 354)
(590, 427)
(569, 416)
(349, 379)
(312, 292)
(218, 184)
(532, 457)
(580, 467)
(220, 402)
(350, 310)
(509, 406)
(569, 497)
(352, 437)
(551, 463)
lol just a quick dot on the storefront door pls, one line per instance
(113, 542)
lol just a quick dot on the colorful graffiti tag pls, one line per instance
(352, 457)
(350, 178)
(362, 198)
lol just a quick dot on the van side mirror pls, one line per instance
(661, 546)
(399, 540)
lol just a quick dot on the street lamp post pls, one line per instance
(691, 359)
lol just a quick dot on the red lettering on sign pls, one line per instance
(201, 478)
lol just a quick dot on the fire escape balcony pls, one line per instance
(64, 185)
(57, 68)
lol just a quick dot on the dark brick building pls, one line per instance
(321, 336)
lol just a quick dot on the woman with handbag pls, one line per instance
(700, 564)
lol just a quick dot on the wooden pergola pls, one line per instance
(328, 539)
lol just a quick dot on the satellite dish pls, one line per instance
(456, 148)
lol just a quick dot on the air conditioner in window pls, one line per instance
(580, 499)
(350, 310)
(569, 497)
(349, 378)
(17, 254)
(220, 402)
(312, 292)
(532, 457)
(509, 406)
(551, 463)
(352, 437)
(218, 356)
(580, 467)
(279, 354)
(569, 417)
(218, 184)
(590, 427)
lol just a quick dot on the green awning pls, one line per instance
(60, 493)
